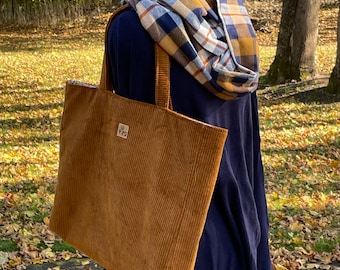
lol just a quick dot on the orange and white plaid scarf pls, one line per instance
(219, 49)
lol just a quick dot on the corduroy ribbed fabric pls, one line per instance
(235, 236)
(135, 180)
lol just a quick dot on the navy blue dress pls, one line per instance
(235, 235)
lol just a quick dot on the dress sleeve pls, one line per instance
(131, 57)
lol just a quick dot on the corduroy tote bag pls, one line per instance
(135, 180)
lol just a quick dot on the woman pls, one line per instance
(214, 72)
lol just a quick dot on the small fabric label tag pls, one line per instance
(123, 131)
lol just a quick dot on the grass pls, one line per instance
(62, 246)
(33, 70)
(300, 143)
(8, 245)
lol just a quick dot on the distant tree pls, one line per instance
(333, 86)
(49, 12)
(280, 69)
(305, 39)
(297, 41)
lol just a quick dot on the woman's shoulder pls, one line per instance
(127, 19)
(126, 28)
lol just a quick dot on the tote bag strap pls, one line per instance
(162, 85)
(105, 80)
(162, 72)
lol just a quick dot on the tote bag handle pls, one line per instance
(162, 72)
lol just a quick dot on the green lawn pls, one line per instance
(300, 142)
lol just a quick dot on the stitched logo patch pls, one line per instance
(123, 131)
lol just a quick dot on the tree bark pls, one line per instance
(279, 70)
(305, 38)
(297, 42)
(333, 86)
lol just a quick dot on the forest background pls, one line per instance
(299, 129)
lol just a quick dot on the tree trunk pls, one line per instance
(48, 12)
(279, 70)
(297, 41)
(304, 41)
(333, 86)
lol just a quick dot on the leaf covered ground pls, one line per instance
(300, 127)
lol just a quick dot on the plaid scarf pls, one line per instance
(219, 49)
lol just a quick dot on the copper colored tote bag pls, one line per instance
(135, 180)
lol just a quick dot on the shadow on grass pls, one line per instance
(316, 96)
(35, 42)
(72, 264)
(28, 122)
(5, 90)
(310, 149)
(26, 185)
(309, 92)
(24, 108)
(24, 141)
